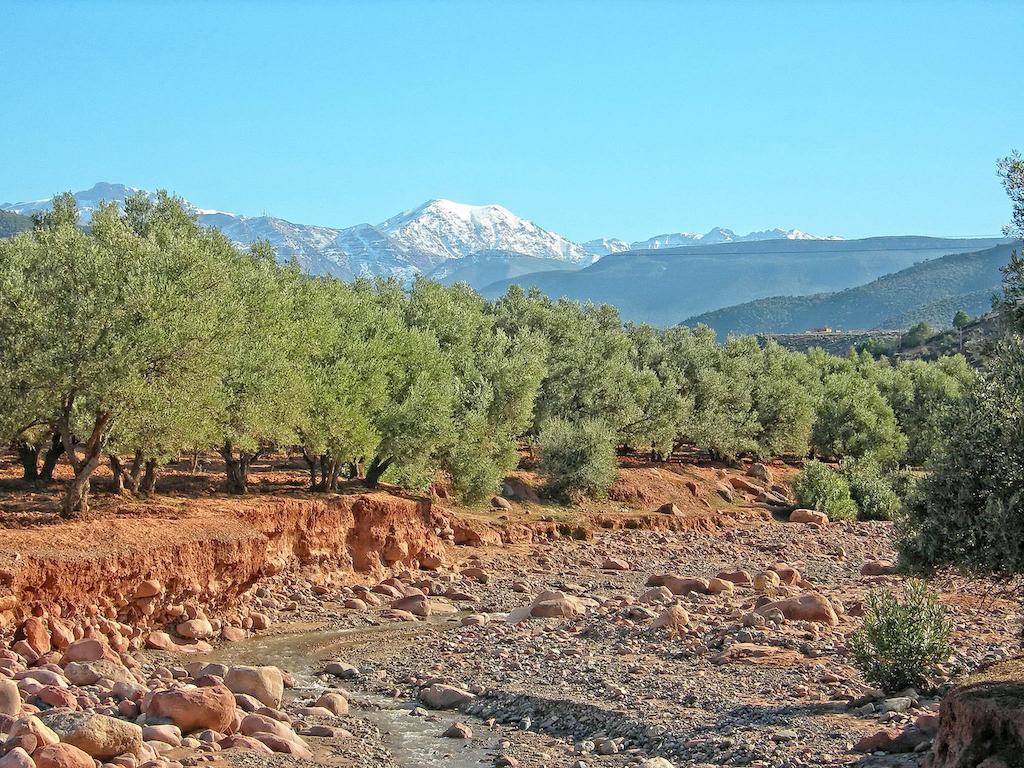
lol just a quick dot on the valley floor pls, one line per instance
(413, 598)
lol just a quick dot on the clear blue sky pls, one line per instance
(623, 119)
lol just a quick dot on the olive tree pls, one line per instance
(854, 420)
(496, 380)
(102, 321)
(261, 388)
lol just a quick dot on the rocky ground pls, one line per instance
(610, 644)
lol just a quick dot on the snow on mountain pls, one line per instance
(87, 200)
(421, 240)
(604, 246)
(722, 235)
(449, 230)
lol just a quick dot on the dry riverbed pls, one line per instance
(671, 640)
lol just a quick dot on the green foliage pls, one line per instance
(916, 336)
(854, 420)
(872, 489)
(589, 371)
(960, 319)
(100, 328)
(819, 487)
(786, 394)
(903, 639)
(1011, 171)
(577, 459)
(920, 393)
(496, 381)
(1010, 303)
(969, 510)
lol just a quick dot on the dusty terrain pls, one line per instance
(537, 634)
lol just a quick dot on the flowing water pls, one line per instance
(414, 741)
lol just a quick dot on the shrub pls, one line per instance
(903, 639)
(577, 459)
(968, 511)
(872, 490)
(819, 487)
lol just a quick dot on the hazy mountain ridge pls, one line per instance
(931, 291)
(664, 286)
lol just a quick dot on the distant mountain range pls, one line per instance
(418, 241)
(776, 280)
(932, 291)
(665, 286)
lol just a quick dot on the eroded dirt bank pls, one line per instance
(206, 554)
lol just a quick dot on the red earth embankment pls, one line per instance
(206, 551)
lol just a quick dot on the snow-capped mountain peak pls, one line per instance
(449, 230)
(604, 246)
(88, 200)
(722, 235)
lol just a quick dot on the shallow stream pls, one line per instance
(414, 741)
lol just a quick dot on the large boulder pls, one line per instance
(85, 650)
(417, 605)
(33, 726)
(263, 683)
(193, 709)
(556, 605)
(17, 758)
(293, 745)
(673, 620)
(982, 720)
(36, 634)
(679, 585)
(761, 472)
(255, 723)
(97, 735)
(195, 629)
(62, 756)
(90, 672)
(808, 516)
(809, 606)
(877, 568)
(334, 702)
(440, 696)
(10, 697)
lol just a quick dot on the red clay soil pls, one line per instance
(205, 550)
(209, 548)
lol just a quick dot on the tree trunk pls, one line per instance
(376, 470)
(76, 498)
(28, 455)
(335, 471)
(236, 470)
(117, 469)
(325, 471)
(135, 473)
(148, 485)
(53, 454)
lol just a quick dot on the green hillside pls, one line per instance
(13, 223)
(932, 291)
